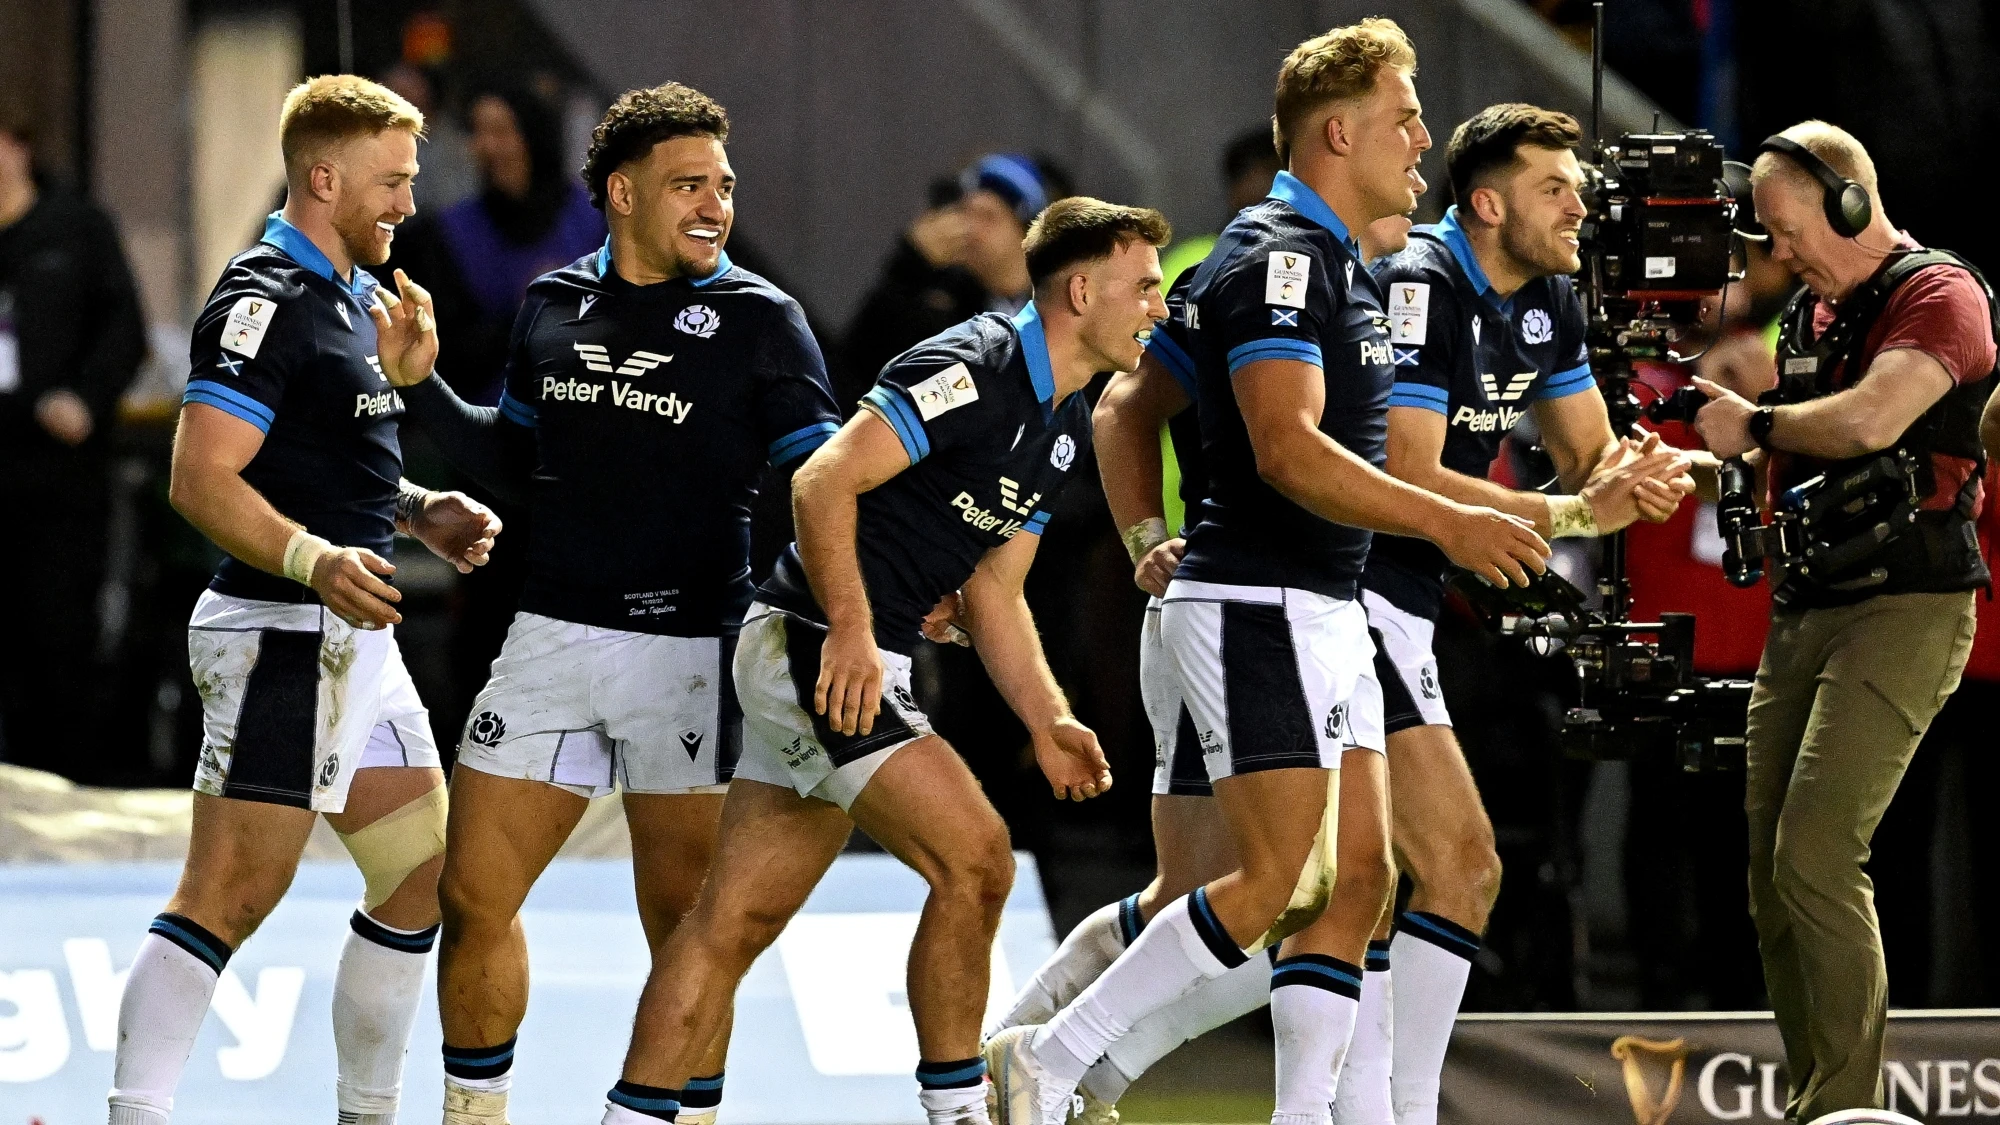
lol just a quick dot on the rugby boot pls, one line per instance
(1023, 1092)
(1093, 1111)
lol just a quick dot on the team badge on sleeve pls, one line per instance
(1286, 273)
(946, 390)
(243, 332)
(1409, 311)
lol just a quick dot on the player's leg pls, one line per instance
(673, 844)
(1362, 1089)
(1444, 841)
(774, 845)
(241, 857)
(1317, 980)
(393, 825)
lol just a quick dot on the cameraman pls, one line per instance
(1484, 327)
(1877, 356)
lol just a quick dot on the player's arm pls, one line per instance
(864, 455)
(206, 486)
(1126, 425)
(1003, 631)
(1281, 401)
(1621, 480)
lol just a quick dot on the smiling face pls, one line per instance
(678, 202)
(1122, 302)
(367, 180)
(1542, 211)
(1387, 139)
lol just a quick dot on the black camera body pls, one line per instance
(1658, 227)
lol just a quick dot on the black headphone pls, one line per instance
(1848, 207)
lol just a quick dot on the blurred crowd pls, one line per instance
(1624, 882)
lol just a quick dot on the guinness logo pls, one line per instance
(1668, 1061)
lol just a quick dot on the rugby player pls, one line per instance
(1485, 325)
(943, 481)
(1288, 342)
(287, 457)
(1190, 841)
(648, 386)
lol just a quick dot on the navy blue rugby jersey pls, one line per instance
(655, 409)
(1168, 345)
(1284, 281)
(1477, 360)
(287, 346)
(990, 449)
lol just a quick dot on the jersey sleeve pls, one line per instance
(520, 396)
(1169, 343)
(1572, 374)
(796, 412)
(1424, 323)
(934, 402)
(1272, 304)
(245, 345)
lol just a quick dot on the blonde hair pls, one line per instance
(332, 108)
(1337, 66)
(1832, 144)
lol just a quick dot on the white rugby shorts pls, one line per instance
(1406, 665)
(784, 742)
(1274, 678)
(588, 709)
(1177, 766)
(294, 700)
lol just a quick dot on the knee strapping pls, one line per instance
(399, 843)
(1315, 885)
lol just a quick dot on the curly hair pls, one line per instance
(1336, 66)
(640, 119)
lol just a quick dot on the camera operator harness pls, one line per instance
(1860, 529)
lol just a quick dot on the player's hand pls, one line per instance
(457, 529)
(64, 415)
(1494, 545)
(1072, 760)
(1637, 480)
(344, 578)
(406, 339)
(945, 623)
(1156, 567)
(849, 691)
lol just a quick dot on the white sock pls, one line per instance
(1433, 957)
(166, 996)
(375, 998)
(1182, 947)
(615, 1114)
(959, 1105)
(1313, 1002)
(1238, 992)
(1362, 1097)
(1083, 955)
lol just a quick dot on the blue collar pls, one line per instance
(293, 243)
(722, 265)
(1452, 235)
(1035, 349)
(1290, 190)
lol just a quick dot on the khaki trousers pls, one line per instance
(1841, 700)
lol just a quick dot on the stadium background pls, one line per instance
(1624, 886)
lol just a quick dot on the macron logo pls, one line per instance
(596, 357)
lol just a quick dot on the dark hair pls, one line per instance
(1081, 229)
(1488, 143)
(640, 119)
(1246, 151)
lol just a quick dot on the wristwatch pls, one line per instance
(1760, 423)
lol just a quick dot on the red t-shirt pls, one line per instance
(1940, 311)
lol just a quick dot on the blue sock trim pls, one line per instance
(1212, 934)
(1441, 932)
(479, 1062)
(1377, 960)
(369, 929)
(189, 935)
(951, 1075)
(1130, 921)
(1318, 971)
(702, 1093)
(653, 1101)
